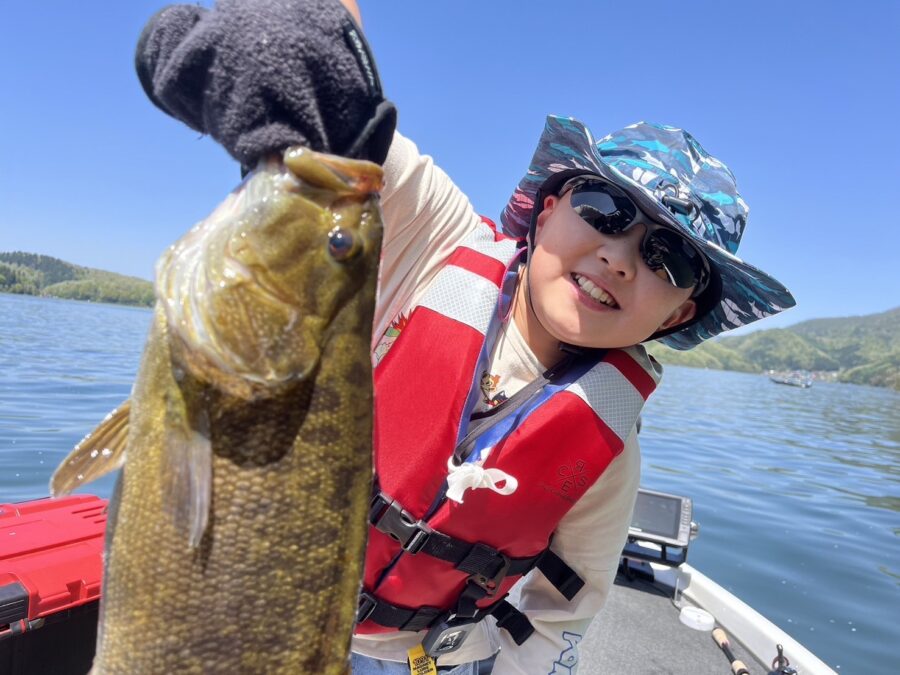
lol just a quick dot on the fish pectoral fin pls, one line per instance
(188, 467)
(99, 453)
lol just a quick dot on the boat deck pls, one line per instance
(638, 632)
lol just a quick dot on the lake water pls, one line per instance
(795, 490)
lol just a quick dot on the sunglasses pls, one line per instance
(670, 255)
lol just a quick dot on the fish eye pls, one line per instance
(342, 245)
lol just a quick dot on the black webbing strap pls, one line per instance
(563, 577)
(557, 572)
(467, 603)
(512, 621)
(393, 616)
(486, 565)
(415, 536)
(385, 614)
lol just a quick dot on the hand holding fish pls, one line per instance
(262, 75)
(236, 533)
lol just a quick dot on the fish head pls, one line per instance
(253, 292)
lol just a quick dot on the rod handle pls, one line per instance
(719, 636)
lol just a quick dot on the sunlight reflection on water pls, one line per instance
(796, 492)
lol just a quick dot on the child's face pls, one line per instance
(571, 262)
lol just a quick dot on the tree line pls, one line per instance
(858, 349)
(42, 275)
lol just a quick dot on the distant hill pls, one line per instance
(34, 274)
(859, 349)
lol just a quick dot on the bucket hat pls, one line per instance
(660, 167)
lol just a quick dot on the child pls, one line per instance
(509, 371)
(628, 240)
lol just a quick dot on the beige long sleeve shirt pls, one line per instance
(426, 216)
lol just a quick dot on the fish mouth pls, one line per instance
(252, 290)
(594, 291)
(340, 174)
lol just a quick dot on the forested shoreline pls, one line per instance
(42, 275)
(857, 349)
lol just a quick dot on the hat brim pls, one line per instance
(748, 294)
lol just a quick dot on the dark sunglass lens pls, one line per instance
(603, 207)
(668, 251)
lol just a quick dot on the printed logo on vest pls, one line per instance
(571, 480)
(572, 477)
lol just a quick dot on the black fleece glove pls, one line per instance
(261, 75)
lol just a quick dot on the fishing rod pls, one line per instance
(780, 664)
(737, 666)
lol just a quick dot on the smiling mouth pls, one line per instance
(594, 291)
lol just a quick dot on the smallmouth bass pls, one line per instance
(237, 529)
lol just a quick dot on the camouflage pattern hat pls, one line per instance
(653, 163)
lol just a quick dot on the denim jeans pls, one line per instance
(365, 665)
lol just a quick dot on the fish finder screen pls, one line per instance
(656, 514)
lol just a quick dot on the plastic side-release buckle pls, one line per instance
(387, 516)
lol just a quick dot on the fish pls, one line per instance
(237, 527)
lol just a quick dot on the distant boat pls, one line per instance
(793, 379)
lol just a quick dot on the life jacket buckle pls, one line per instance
(387, 516)
(367, 604)
(490, 582)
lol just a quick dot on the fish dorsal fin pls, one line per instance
(97, 454)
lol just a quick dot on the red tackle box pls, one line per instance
(51, 563)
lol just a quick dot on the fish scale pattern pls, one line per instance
(272, 584)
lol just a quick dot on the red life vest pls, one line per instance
(556, 454)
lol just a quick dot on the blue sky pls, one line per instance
(800, 99)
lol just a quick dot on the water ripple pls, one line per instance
(796, 494)
(796, 490)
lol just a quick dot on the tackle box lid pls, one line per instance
(51, 555)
